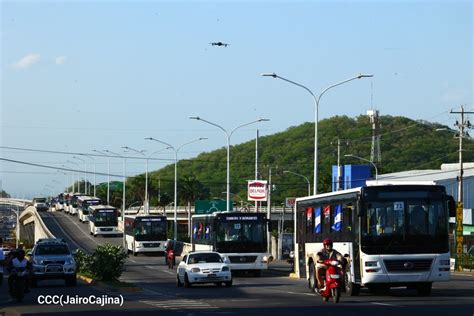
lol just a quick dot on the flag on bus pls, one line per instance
(317, 221)
(337, 226)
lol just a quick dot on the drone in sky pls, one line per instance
(219, 44)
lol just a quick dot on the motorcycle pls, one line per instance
(332, 282)
(19, 284)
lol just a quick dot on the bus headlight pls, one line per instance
(371, 263)
(264, 259)
(444, 262)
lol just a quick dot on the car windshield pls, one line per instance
(204, 258)
(52, 250)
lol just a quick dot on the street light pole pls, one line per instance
(85, 173)
(146, 176)
(228, 135)
(108, 175)
(316, 115)
(303, 176)
(78, 177)
(123, 195)
(373, 164)
(176, 150)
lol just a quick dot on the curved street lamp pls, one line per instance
(228, 135)
(176, 150)
(303, 176)
(316, 115)
(373, 164)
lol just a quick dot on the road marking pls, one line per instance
(63, 231)
(180, 304)
(157, 268)
(385, 304)
(80, 229)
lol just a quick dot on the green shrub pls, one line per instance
(82, 261)
(106, 263)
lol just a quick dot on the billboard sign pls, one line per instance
(290, 202)
(257, 190)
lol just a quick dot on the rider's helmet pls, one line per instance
(327, 243)
(20, 254)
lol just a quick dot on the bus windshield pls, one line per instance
(404, 226)
(241, 236)
(105, 218)
(87, 203)
(149, 230)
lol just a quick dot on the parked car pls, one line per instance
(203, 267)
(52, 259)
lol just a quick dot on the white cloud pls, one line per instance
(27, 61)
(60, 60)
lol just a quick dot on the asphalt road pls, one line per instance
(272, 294)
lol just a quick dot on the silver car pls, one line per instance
(52, 259)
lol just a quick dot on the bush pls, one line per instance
(106, 263)
(82, 261)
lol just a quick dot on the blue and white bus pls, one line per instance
(391, 235)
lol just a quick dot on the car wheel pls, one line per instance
(218, 284)
(186, 281)
(178, 282)
(228, 283)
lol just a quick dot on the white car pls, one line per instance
(203, 267)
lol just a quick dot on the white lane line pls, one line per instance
(63, 231)
(464, 274)
(385, 304)
(157, 268)
(80, 229)
(180, 304)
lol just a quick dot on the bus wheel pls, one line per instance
(424, 289)
(351, 288)
(312, 278)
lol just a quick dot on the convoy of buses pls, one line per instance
(391, 235)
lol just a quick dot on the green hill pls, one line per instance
(405, 145)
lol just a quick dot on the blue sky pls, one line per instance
(78, 76)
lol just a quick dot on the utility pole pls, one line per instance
(256, 166)
(459, 210)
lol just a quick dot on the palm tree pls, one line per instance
(191, 190)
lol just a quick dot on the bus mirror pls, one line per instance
(451, 206)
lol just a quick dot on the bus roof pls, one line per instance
(369, 184)
(102, 207)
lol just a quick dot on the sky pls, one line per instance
(78, 76)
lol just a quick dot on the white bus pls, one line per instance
(391, 235)
(103, 220)
(72, 208)
(83, 204)
(241, 237)
(145, 233)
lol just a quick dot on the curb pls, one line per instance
(104, 286)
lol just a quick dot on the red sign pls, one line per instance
(257, 190)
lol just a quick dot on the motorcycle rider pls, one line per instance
(326, 253)
(19, 261)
